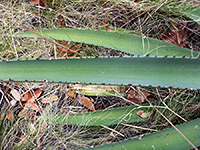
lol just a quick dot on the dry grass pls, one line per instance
(149, 18)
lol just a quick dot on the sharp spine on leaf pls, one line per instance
(174, 56)
(148, 55)
(165, 56)
(183, 57)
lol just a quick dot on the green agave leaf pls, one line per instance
(165, 140)
(97, 118)
(133, 44)
(193, 13)
(143, 71)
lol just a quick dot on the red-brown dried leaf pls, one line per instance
(32, 105)
(9, 117)
(176, 36)
(70, 47)
(38, 2)
(137, 97)
(87, 103)
(28, 97)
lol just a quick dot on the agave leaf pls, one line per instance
(144, 71)
(97, 118)
(193, 13)
(129, 43)
(165, 140)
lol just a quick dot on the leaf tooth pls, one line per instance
(38, 58)
(10, 80)
(45, 81)
(129, 84)
(18, 59)
(77, 82)
(170, 87)
(139, 85)
(96, 56)
(183, 56)
(103, 84)
(5, 60)
(148, 55)
(150, 85)
(174, 56)
(26, 80)
(138, 56)
(156, 56)
(165, 56)
(132, 55)
(121, 55)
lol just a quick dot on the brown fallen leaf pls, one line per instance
(87, 102)
(28, 97)
(176, 36)
(136, 96)
(70, 51)
(142, 114)
(9, 117)
(32, 105)
(15, 94)
(70, 93)
(37, 2)
(50, 99)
